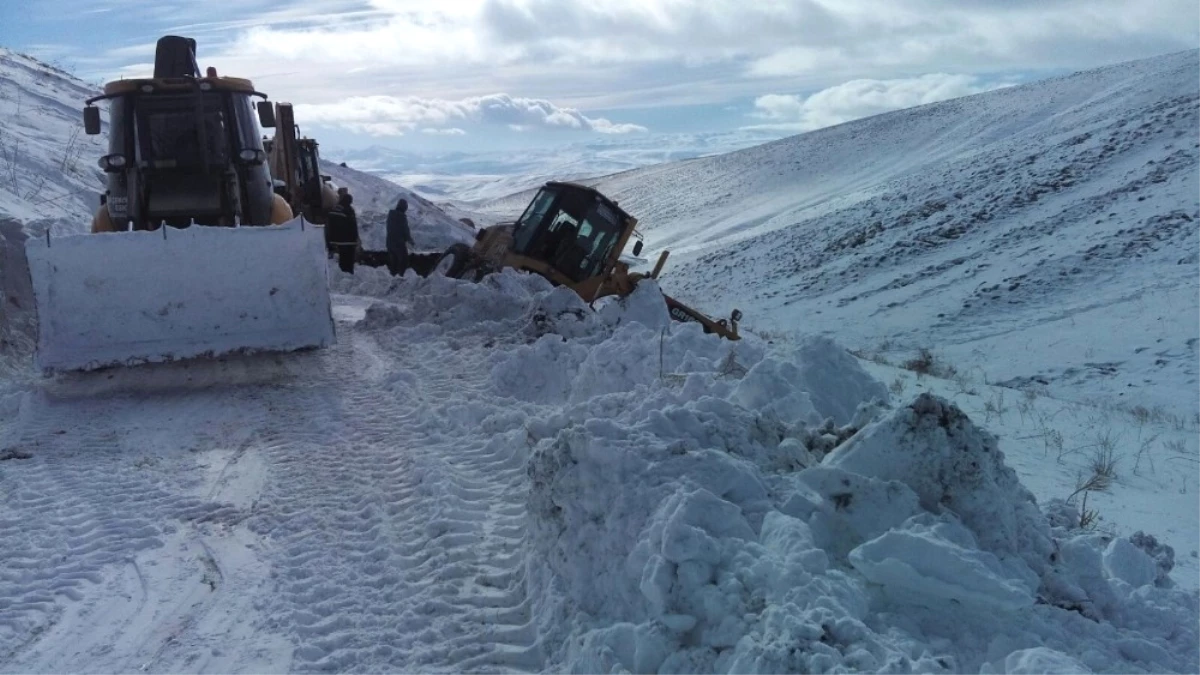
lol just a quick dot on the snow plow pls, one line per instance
(572, 235)
(192, 253)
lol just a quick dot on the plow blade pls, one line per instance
(126, 298)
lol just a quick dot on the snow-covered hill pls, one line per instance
(1041, 235)
(432, 228)
(48, 171)
(471, 177)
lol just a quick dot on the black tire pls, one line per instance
(453, 262)
(478, 272)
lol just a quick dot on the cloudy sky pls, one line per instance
(494, 74)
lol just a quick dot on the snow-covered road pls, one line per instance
(199, 516)
(494, 478)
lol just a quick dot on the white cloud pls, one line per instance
(606, 54)
(860, 98)
(394, 116)
(448, 131)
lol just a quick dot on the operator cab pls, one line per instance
(573, 228)
(182, 146)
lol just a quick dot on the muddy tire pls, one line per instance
(453, 262)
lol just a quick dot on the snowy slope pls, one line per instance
(432, 228)
(471, 177)
(1043, 234)
(48, 168)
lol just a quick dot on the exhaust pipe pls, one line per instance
(175, 56)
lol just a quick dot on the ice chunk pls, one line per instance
(1124, 561)
(850, 508)
(952, 465)
(771, 385)
(835, 381)
(1035, 660)
(645, 305)
(931, 560)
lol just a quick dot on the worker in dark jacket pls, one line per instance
(342, 229)
(399, 237)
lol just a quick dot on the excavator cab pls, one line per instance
(184, 148)
(572, 235)
(573, 229)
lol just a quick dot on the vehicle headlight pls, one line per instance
(252, 156)
(112, 162)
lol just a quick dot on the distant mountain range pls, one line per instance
(470, 178)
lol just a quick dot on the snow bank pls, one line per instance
(682, 519)
(136, 297)
(952, 466)
(700, 505)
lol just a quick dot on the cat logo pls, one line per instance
(680, 315)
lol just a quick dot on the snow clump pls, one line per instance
(680, 513)
(704, 505)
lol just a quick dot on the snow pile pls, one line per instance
(505, 306)
(678, 525)
(496, 476)
(953, 467)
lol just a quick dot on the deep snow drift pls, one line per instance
(493, 475)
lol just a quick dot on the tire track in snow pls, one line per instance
(397, 526)
(91, 500)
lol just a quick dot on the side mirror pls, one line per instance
(736, 316)
(266, 114)
(326, 177)
(91, 120)
(637, 248)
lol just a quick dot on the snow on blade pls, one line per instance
(139, 297)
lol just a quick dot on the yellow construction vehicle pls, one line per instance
(572, 235)
(191, 252)
(184, 148)
(296, 167)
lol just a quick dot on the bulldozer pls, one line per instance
(191, 252)
(573, 235)
(295, 163)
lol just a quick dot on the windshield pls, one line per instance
(309, 168)
(527, 225)
(181, 130)
(597, 235)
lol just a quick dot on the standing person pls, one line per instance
(342, 229)
(399, 237)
